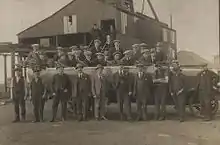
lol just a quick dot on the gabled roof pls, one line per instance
(47, 17)
(139, 15)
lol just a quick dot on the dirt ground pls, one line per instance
(112, 132)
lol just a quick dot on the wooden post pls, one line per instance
(12, 72)
(5, 71)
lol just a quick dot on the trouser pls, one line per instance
(142, 108)
(160, 95)
(124, 102)
(100, 106)
(38, 107)
(181, 104)
(63, 98)
(82, 106)
(205, 102)
(19, 103)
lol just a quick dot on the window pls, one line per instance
(70, 24)
(165, 35)
(45, 42)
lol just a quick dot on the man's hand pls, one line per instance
(94, 96)
(54, 94)
(171, 94)
(130, 93)
(65, 91)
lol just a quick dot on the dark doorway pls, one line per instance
(108, 28)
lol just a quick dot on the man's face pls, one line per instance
(108, 38)
(60, 70)
(158, 49)
(117, 45)
(205, 68)
(80, 70)
(18, 73)
(99, 71)
(97, 44)
(88, 57)
(37, 74)
(145, 55)
(35, 48)
(100, 57)
(117, 57)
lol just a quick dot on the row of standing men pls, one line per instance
(141, 87)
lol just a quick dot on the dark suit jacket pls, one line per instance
(60, 83)
(18, 87)
(99, 87)
(143, 86)
(37, 89)
(81, 86)
(127, 62)
(123, 84)
(176, 82)
(205, 81)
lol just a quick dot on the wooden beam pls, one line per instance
(5, 72)
(152, 9)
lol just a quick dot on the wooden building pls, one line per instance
(72, 23)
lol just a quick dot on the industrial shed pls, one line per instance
(72, 23)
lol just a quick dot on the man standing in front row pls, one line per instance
(123, 87)
(36, 93)
(176, 87)
(61, 90)
(99, 89)
(205, 89)
(81, 91)
(143, 85)
(18, 84)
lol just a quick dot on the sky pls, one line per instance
(196, 21)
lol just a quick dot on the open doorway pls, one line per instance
(108, 27)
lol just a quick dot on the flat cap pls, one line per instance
(60, 48)
(145, 51)
(117, 53)
(87, 53)
(35, 45)
(99, 66)
(143, 45)
(135, 45)
(97, 40)
(73, 47)
(128, 52)
(159, 44)
(100, 54)
(116, 41)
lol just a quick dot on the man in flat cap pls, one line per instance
(136, 52)
(128, 60)
(143, 86)
(96, 48)
(117, 58)
(123, 84)
(116, 47)
(99, 89)
(108, 44)
(18, 84)
(159, 56)
(81, 92)
(145, 58)
(61, 88)
(62, 56)
(100, 59)
(96, 33)
(33, 57)
(205, 91)
(36, 92)
(44, 59)
(88, 59)
(160, 92)
(177, 90)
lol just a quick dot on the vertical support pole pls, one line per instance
(5, 71)
(219, 29)
(12, 71)
(84, 39)
(57, 43)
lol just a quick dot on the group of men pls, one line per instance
(85, 88)
(111, 54)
